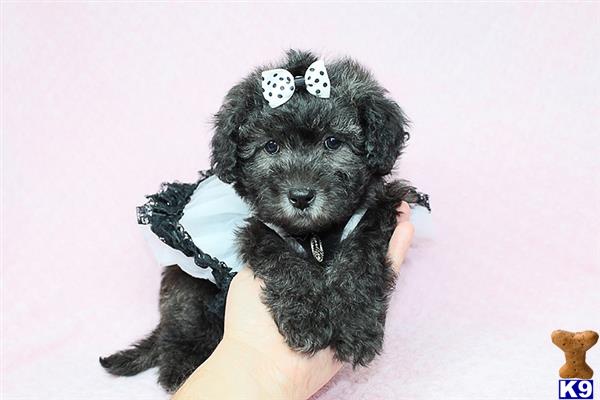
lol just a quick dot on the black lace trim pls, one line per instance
(423, 200)
(163, 211)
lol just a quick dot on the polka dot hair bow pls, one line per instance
(279, 85)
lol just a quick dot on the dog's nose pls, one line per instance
(301, 197)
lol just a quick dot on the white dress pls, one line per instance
(194, 225)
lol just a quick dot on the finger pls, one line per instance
(403, 212)
(400, 242)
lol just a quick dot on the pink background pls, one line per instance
(102, 102)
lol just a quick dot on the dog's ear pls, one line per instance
(384, 126)
(227, 121)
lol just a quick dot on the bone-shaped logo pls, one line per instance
(575, 345)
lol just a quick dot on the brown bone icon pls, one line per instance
(575, 345)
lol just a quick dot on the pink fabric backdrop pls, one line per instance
(102, 102)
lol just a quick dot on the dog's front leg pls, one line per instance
(294, 290)
(360, 281)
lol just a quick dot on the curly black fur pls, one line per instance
(340, 302)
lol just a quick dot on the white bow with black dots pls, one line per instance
(278, 85)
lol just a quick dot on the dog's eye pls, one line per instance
(332, 143)
(271, 147)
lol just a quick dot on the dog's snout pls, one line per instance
(301, 197)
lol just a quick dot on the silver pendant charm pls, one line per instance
(317, 248)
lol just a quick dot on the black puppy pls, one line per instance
(305, 168)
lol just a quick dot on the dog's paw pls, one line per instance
(306, 340)
(127, 362)
(172, 376)
(305, 332)
(358, 337)
(123, 363)
(358, 351)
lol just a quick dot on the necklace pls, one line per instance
(316, 247)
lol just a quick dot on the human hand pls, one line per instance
(253, 361)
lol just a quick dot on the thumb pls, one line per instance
(401, 238)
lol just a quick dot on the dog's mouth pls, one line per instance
(303, 208)
(313, 214)
(303, 213)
